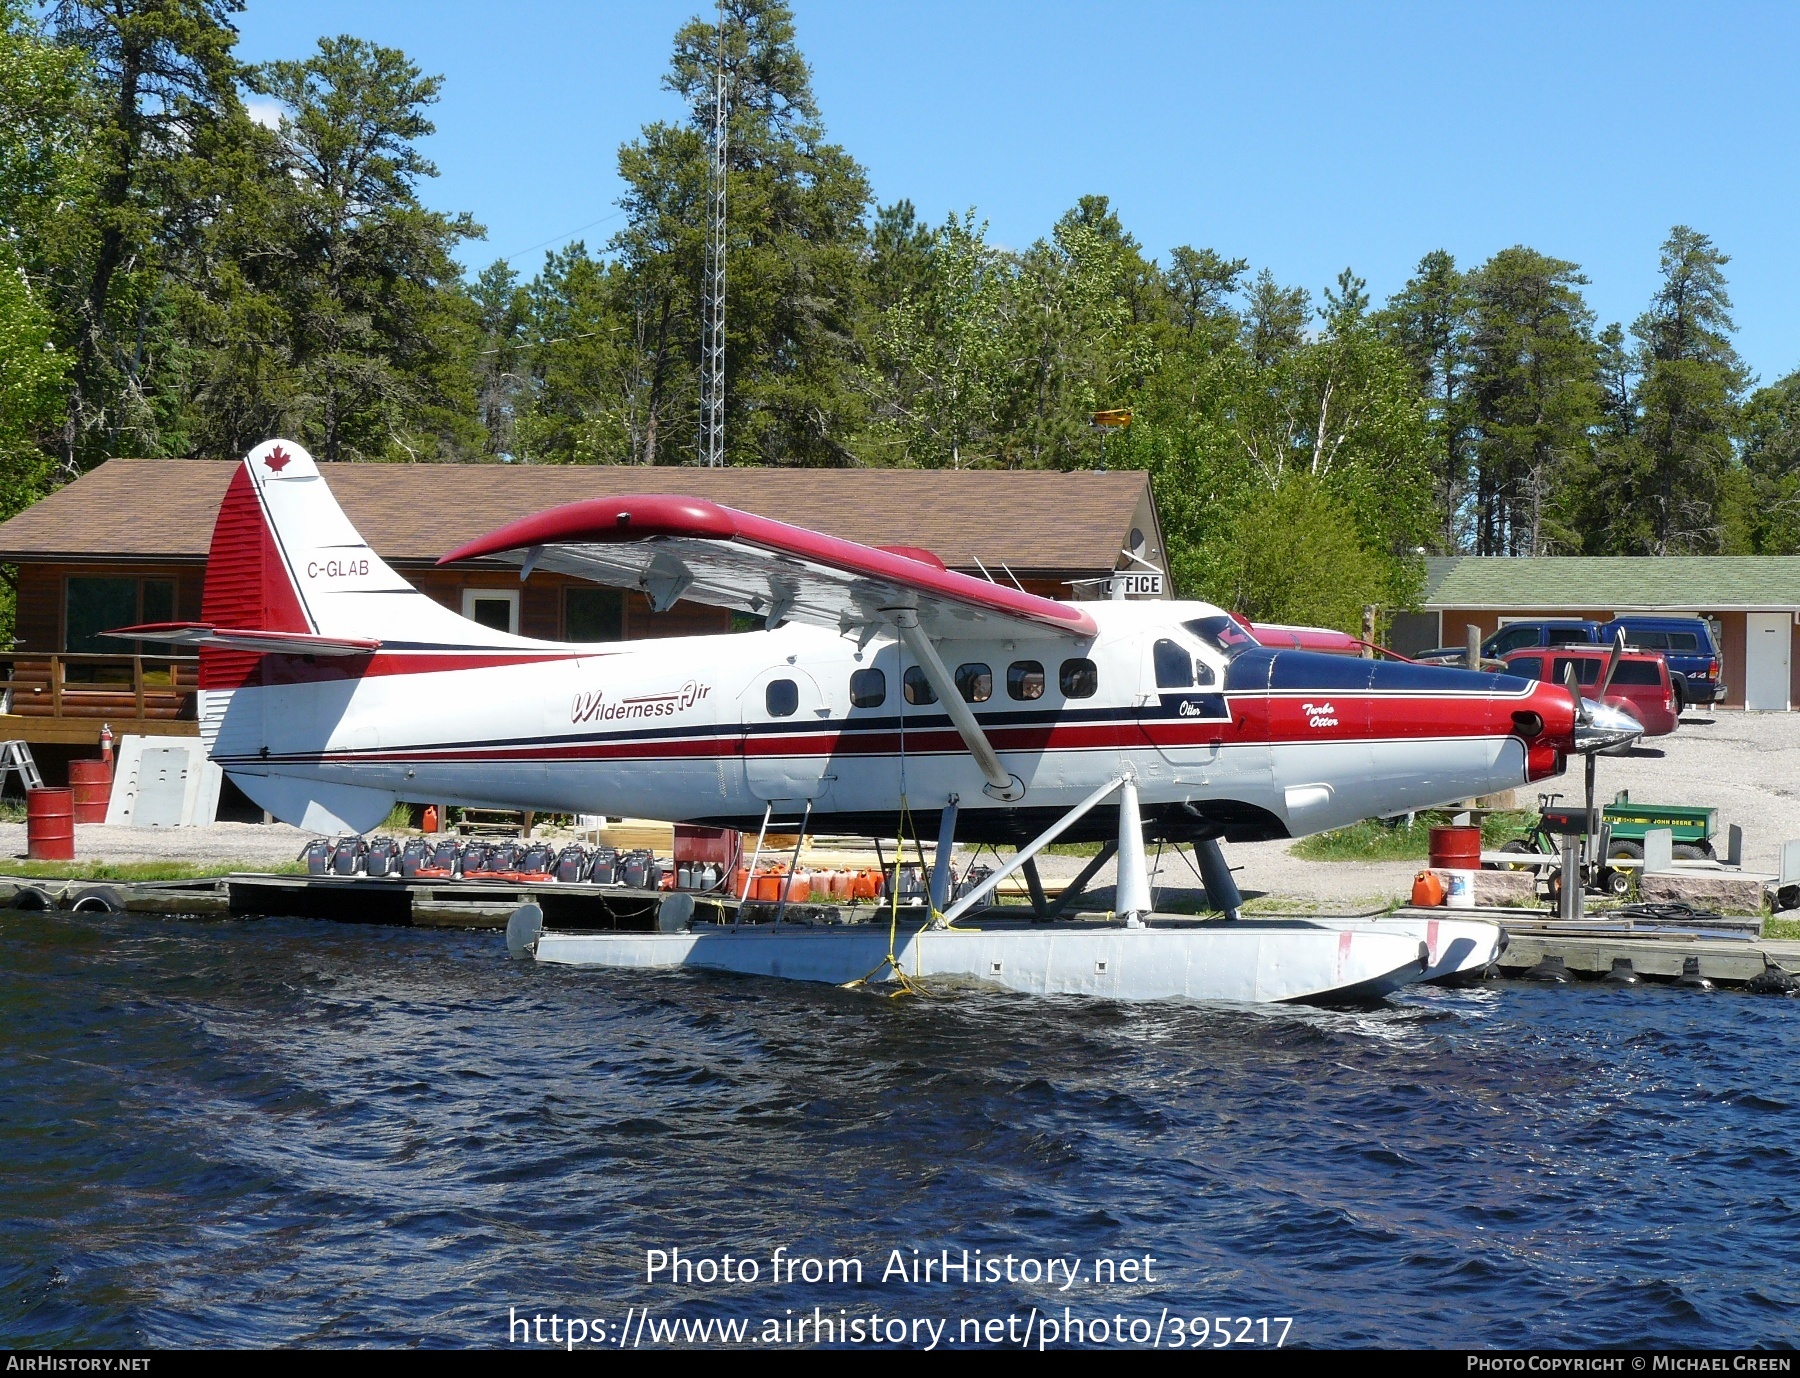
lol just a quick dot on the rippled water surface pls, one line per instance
(292, 1132)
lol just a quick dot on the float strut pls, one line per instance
(1221, 890)
(1040, 907)
(1132, 897)
(940, 868)
(980, 893)
(1068, 897)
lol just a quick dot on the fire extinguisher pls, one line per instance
(106, 743)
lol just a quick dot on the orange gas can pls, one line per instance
(1428, 890)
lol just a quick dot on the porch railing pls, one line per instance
(67, 684)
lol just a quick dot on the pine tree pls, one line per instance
(1534, 398)
(1430, 320)
(1692, 383)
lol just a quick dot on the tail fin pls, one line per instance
(285, 559)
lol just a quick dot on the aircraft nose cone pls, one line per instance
(1606, 726)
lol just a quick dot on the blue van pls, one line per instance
(1686, 643)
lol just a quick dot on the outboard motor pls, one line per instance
(413, 855)
(382, 857)
(317, 856)
(572, 863)
(441, 864)
(474, 859)
(604, 868)
(347, 856)
(972, 878)
(503, 858)
(536, 863)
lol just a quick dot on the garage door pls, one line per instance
(1768, 638)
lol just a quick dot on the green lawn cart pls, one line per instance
(1692, 829)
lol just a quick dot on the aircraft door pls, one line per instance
(1182, 710)
(787, 737)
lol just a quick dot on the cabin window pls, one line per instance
(1079, 678)
(1526, 667)
(1203, 674)
(496, 608)
(1174, 666)
(1025, 680)
(1512, 639)
(975, 682)
(782, 698)
(593, 614)
(868, 688)
(916, 687)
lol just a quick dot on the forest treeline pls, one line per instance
(181, 279)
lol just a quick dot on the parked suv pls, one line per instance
(1686, 643)
(1640, 685)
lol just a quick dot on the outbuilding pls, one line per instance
(1753, 602)
(127, 543)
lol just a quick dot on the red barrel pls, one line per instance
(91, 784)
(1455, 849)
(50, 824)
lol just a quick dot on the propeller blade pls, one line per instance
(1582, 714)
(1612, 664)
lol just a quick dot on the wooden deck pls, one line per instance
(64, 699)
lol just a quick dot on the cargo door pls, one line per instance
(788, 738)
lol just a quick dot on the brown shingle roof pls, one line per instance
(163, 509)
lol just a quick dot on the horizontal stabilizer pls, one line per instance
(234, 639)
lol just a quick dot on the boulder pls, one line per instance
(1726, 893)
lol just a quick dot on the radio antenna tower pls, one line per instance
(712, 283)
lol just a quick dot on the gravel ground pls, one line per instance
(1745, 764)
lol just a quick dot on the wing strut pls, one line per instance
(1001, 785)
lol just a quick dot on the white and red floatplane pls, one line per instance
(881, 684)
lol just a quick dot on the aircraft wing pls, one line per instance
(230, 639)
(673, 548)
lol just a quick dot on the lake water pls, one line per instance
(292, 1132)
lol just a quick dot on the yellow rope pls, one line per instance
(904, 985)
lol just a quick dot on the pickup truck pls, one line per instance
(1686, 643)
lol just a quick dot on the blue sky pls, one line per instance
(1302, 137)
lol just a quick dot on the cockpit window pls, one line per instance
(1222, 633)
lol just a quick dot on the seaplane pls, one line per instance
(881, 692)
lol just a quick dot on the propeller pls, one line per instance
(1599, 725)
(1612, 664)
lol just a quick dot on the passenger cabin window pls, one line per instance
(868, 688)
(1567, 636)
(916, 687)
(975, 682)
(1079, 679)
(781, 698)
(1648, 641)
(1683, 641)
(1203, 674)
(1025, 680)
(1174, 666)
(1527, 667)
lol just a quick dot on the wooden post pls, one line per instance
(1474, 655)
(1368, 632)
(56, 674)
(137, 684)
